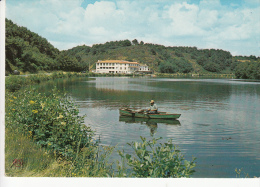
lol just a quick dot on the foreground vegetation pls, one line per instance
(45, 136)
(28, 52)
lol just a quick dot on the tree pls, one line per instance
(27, 51)
(126, 43)
(67, 63)
(135, 42)
(253, 70)
(233, 65)
(241, 70)
(167, 67)
(184, 65)
(201, 60)
(153, 51)
(212, 67)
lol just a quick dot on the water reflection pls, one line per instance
(152, 124)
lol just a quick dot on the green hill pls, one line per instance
(164, 59)
(28, 52)
(158, 57)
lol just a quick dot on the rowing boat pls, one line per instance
(149, 121)
(143, 114)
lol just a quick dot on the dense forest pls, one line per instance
(28, 52)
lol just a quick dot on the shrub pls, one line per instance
(162, 161)
(14, 83)
(52, 121)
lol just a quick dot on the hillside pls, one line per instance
(164, 59)
(28, 52)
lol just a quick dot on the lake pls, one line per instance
(219, 123)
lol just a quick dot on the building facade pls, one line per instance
(144, 68)
(116, 66)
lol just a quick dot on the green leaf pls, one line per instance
(128, 156)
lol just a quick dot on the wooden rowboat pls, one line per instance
(148, 121)
(143, 114)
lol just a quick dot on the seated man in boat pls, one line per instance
(153, 108)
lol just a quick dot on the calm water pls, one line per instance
(219, 124)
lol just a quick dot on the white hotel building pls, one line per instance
(116, 66)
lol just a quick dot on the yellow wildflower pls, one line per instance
(32, 102)
(35, 111)
(63, 123)
(13, 109)
(49, 143)
(11, 100)
(42, 105)
(60, 116)
(15, 97)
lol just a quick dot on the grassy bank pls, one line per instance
(45, 137)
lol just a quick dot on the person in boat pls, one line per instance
(153, 108)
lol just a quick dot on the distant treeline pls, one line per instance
(28, 52)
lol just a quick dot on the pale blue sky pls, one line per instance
(231, 25)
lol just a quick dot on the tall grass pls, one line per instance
(34, 158)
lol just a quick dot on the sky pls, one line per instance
(230, 25)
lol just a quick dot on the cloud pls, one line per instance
(205, 24)
(238, 25)
(212, 4)
(252, 2)
(184, 19)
